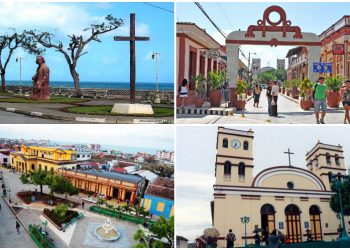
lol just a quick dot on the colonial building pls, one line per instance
(159, 198)
(287, 198)
(113, 185)
(33, 158)
(297, 63)
(5, 157)
(335, 47)
(166, 155)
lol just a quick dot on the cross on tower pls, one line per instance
(132, 38)
(289, 153)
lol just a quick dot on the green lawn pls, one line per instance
(106, 110)
(52, 100)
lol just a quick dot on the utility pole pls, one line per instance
(249, 66)
(155, 57)
(19, 59)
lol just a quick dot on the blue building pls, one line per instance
(159, 198)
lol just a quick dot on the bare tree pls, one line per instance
(8, 44)
(76, 45)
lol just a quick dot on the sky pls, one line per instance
(311, 17)
(195, 163)
(139, 136)
(107, 61)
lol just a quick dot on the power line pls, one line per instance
(212, 22)
(223, 12)
(155, 6)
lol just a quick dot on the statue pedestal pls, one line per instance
(132, 109)
(157, 99)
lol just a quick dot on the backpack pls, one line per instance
(313, 94)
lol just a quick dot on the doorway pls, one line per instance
(315, 222)
(293, 225)
(267, 218)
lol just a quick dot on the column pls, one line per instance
(123, 195)
(133, 197)
(232, 64)
(314, 56)
(119, 194)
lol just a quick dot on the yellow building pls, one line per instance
(33, 158)
(114, 185)
(287, 198)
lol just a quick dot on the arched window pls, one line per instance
(45, 168)
(245, 145)
(39, 167)
(33, 167)
(241, 170)
(315, 222)
(227, 170)
(337, 162)
(293, 224)
(328, 158)
(225, 143)
(290, 185)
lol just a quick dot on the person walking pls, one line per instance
(319, 96)
(274, 98)
(230, 239)
(82, 204)
(345, 96)
(17, 226)
(269, 97)
(256, 94)
(183, 92)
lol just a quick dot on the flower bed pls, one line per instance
(116, 214)
(26, 197)
(59, 221)
(40, 240)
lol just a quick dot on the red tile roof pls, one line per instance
(162, 187)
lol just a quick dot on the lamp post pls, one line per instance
(249, 65)
(245, 221)
(336, 180)
(155, 57)
(19, 59)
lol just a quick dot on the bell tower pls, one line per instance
(234, 157)
(323, 159)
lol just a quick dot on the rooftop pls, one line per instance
(111, 175)
(162, 187)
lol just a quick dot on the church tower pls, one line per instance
(234, 157)
(324, 159)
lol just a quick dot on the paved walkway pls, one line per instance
(8, 234)
(289, 112)
(54, 109)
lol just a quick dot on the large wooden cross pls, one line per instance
(132, 38)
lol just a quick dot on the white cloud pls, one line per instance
(141, 29)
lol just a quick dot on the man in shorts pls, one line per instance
(319, 95)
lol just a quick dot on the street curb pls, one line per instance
(57, 117)
(16, 216)
(290, 98)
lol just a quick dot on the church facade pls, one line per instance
(286, 198)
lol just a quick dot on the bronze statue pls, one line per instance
(41, 88)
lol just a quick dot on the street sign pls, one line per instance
(210, 53)
(322, 67)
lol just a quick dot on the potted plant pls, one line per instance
(241, 88)
(201, 83)
(215, 81)
(334, 84)
(305, 87)
(294, 85)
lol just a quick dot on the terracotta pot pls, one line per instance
(215, 98)
(333, 99)
(240, 105)
(305, 104)
(198, 103)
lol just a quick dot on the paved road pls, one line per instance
(289, 112)
(13, 118)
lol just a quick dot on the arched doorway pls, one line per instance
(293, 225)
(267, 213)
(315, 222)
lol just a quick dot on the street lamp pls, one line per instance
(245, 221)
(155, 57)
(19, 59)
(336, 180)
